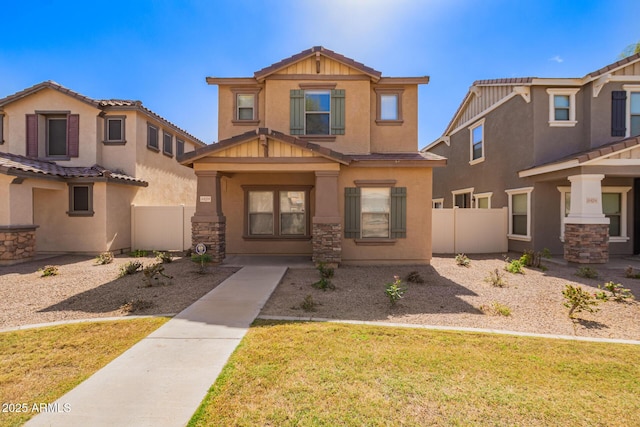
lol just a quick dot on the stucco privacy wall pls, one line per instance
(416, 247)
(50, 100)
(470, 231)
(166, 227)
(118, 228)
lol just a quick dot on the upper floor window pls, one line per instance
(53, 134)
(317, 112)
(634, 113)
(1, 128)
(114, 129)
(179, 147)
(562, 107)
(152, 137)
(388, 106)
(245, 106)
(167, 144)
(476, 143)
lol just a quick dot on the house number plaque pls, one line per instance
(205, 199)
(201, 248)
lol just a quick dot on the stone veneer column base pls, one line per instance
(586, 243)
(17, 244)
(213, 235)
(327, 243)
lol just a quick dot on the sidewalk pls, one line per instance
(161, 380)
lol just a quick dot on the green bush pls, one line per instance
(578, 300)
(153, 273)
(514, 266)
(138, 253)
(163, 257)
(496, 278)
(48, 270)
(496, 309)
(630, 274)
(202, 260)
(326, 274)
(414, 277)
(587, 272)
(394, 290)
(308, 304)
(131, 267)
(618, 293)
(462, 260)
(104, 258)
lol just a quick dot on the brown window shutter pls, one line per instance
(618, 113)
(73, 135)
(32, 135)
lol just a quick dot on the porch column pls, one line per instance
(327, 225)
(586, 232)
(208, 224)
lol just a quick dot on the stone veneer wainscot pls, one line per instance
(17, 244)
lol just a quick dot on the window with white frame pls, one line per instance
(614, 207)
(483, 200)
(633, 107)
(476, 143)
(463, 198)
(520, 213)
(562, 107)
(245, 106)
(437, 203)
(317, 112)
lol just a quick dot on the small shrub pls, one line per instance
(514, 266)
(414, 277)
(308, 304)
(104, 258)
(587, 272)
(131, 267)
(578, 300)
(533, 259)
(394, 290)
(138, 253)
(496, 278)
(137, 305)
(48, 270)
(326, 274)
(163, 257)
(153, 273)
(462, 260)
(202, 260)
(496, 309)
(630, 274)
(618, 293)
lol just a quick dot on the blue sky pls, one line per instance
(160, 51)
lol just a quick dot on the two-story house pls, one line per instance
(317, 155)
(72, 166)
(563, 154)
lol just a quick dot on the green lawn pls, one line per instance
(324, 374)
(40, 365)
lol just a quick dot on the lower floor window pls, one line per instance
(80, 200)
(520, 213)
(462, 200)
(277, 212)
(376, 207)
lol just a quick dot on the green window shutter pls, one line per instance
(352, 213)
(398, 212)
(337, 112)
(297, 112)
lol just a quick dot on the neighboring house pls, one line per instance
(318, 155)
(72, 166)
(563, 155)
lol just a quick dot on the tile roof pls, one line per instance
(417, 156)
(13, 164)
(507, 81)
(97, 103)
(309, 52)
(615, 65)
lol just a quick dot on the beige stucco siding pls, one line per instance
(118, 227)
(120, 157)
(416, 247)
(396, 138)
(49, 100)
(17, 207)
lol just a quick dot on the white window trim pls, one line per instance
(480, 159)
(317, 92)
(440, 200)
(572, 107)
(511, 193)
(624, 237)
(630, 89)
(482, 196)
(462, 191)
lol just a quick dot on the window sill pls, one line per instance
(375, 242)
(519, 237)
(381, 122)
(326, 138)
(168, 154)
(114, 142)
(564, 123)
(245, 122)
(56, 158)
(476, 161)
(618, 239)
(80, 213)
(157, 150)
(276, 238)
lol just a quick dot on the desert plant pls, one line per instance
(618, 293)
(202, 260)
(514, 266)
(462, 260)
(394, 290)
(104, 258)
(137, 305)
(326, 274)
(587, 272)
(630, 274)
(414, 277)
(138, 253)
(153, 273)
(496, 278)
(163, 257)
(130, 267)
(48, 270)
(577, 300)
(496, 309)
(533, 259)
(308, 304)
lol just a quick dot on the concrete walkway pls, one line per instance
(162, 380)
